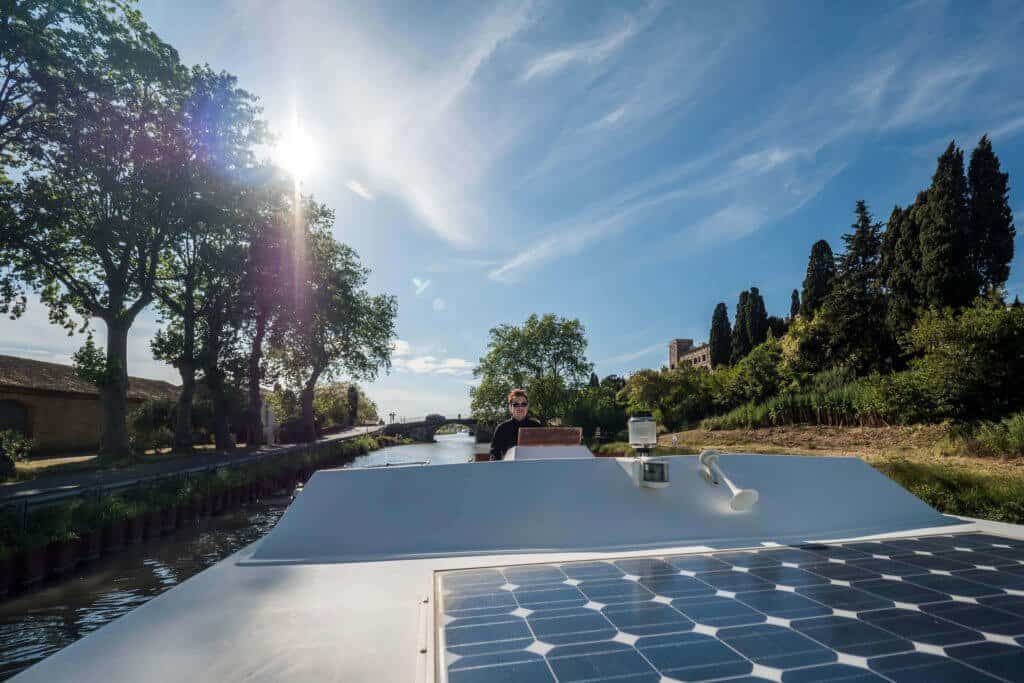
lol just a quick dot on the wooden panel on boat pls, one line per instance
(549, 436)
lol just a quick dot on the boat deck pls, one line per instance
(567, 571)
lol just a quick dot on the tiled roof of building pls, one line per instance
(25, 373)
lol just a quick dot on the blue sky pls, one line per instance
(629, 164)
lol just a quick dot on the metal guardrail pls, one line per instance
(97, 488)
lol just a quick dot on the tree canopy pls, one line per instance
(546, 356)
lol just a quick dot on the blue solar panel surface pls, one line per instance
(928, 609)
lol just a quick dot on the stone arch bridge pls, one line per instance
(422, 429)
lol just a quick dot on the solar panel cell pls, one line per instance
(783, 605)
(998, 659)
(568, 626)
(917, 667)
(775, 647)
(647, 618)
(980, 617)
(693, 657)
(920, 627)
(852, 636)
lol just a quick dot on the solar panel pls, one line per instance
(936, 608)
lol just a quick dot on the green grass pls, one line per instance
(957, 490)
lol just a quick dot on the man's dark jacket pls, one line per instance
(507, 435)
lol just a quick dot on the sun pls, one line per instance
(295, 152)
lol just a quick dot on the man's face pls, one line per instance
(517, 406)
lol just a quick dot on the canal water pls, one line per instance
(36, 624)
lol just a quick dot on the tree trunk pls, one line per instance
(254, 418)
(221, 428)
(183, 413)
(114, 443)
(187, 369)
(308, 424)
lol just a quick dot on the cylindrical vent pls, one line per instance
(643, 432)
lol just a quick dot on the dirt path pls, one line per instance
(922, 443)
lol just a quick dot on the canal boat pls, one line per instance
(554, 565)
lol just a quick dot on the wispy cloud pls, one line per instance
(360, 190)
(631, 356)
(420, 285)
(935, 90)
(459, 264)
(765, 159)
(1008, 129)
(587, 52)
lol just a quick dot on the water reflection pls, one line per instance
(34, 625)
(449, 448)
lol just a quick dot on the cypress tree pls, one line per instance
(991, 220)
(720, 339)
(900, 264)
(594, 381)
(858, 266)
(946, 277)
(821, 269)
(740, 337)
(794, 305)
(855, 306)
(1016, 301)
(757, 318)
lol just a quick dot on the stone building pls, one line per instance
(683, 351)
(56, 409)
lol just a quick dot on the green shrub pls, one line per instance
(756, 377)
(1003, 439)
(49, 524)
(14, 447)
(969, 364)
(87, 516)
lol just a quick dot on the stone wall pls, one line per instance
(699, 357)
(61, 422)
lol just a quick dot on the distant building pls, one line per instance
(683, 351)
(58, 411)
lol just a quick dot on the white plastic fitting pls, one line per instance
(742, 499)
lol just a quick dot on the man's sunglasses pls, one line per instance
(518, 405)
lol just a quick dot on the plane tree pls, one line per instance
(88, 216)
(334, 326)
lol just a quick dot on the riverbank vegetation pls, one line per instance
(55, 537)
(130, 180)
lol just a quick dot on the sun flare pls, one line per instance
(295, 152)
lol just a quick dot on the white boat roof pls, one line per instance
(347, 586)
